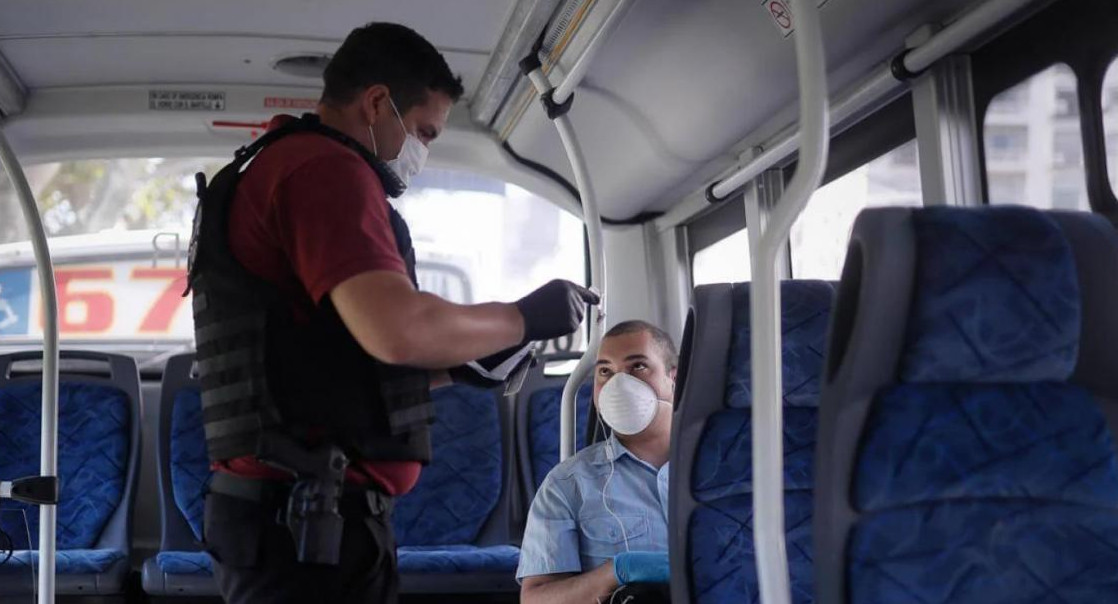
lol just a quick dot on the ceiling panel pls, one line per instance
(680, 83)
(461, 24)
(43, 63)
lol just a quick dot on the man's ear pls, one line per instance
(372, 102)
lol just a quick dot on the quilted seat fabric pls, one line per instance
(721, 529)
(185, 563)
(997, 298)
(543, 428)
(68, 562)
(984, 476)
(190, 467)
(949, 442)
(93, 440)
(460, 488)
(454, 559)
(986, 552)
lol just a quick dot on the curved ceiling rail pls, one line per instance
(49, 438)
(888, 80)
(768, 417)
(557, 101)
(593, 220)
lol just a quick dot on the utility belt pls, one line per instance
(311, 506)
(368, 499)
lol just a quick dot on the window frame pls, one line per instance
(879, 133)
(1029, 49)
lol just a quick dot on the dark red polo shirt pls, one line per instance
(308, 215)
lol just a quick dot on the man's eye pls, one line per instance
(640, 367)
(603, 372)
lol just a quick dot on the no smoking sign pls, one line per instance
(780, 11)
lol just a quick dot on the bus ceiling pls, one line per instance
(677, 93)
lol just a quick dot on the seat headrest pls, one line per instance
(805, 310)
(995, 298)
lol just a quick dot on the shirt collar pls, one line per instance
(611, 445)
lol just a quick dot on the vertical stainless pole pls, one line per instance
(49, 443)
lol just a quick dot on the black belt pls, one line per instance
(368, 497)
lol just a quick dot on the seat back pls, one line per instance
(966, 449)
(98, 445)
(463, 495)
(184, 468)
(711, 487)
(537, 421)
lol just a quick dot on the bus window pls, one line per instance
(727, 261)
(1110, 121)
(87, 197)
(503, 240)
(119, 231)
(820, 235)
(1034, 144)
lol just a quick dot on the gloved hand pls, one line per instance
(554, 310)
(642, 567)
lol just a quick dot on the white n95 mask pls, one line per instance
(413, 155)
(627, 404)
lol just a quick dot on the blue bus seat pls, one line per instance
(537, 422)
(453, 530)
(966, 448)
(98, 466)
(711, 488)
(181, 568)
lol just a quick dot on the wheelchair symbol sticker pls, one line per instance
(15, 301)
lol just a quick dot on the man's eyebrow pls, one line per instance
(602, 362)
(637, 357)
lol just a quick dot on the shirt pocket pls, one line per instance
(602, 536)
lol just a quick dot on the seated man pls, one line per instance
(600, 519)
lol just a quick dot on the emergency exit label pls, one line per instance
(781, 13)
(186, 100)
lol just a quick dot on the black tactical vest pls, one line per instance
(261, 370)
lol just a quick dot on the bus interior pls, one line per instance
(913, 202)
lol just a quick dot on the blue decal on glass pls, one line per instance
(15, 301)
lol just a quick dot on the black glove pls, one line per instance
(554, 310)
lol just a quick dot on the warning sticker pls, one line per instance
(280, 102)
(186, 100)
(781, 13)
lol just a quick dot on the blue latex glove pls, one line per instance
(642, 567)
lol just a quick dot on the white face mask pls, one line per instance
(627, 404)
(412, 156)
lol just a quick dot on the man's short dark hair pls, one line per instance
(662, 339)
(392, 55)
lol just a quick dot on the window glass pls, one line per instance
(727, 261)
(821, 233)
(119, 231)
(506, 240)
(1034, 143)
(1110, 121)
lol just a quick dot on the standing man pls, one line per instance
(316, 352)
(598, 526)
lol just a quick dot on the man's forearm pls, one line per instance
(401, 326)
(583, 588)
(447, 334)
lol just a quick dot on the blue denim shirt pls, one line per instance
(569, 527)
